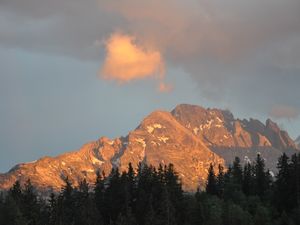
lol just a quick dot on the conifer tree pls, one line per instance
(237, 173)
(52, 209)
(157, 199)
(212, 209)
(1, 206)
(144, 191)
(166, 211)
(130, 187)
(295, 180)
(262, 216)
(66, 204)
(234, 215)
(161, 173)
(150, 217)
(262, 177)
(126, 218)
(221, 181)
(99, 194)
(30, 207)
(16, 192)
(11, 213)
(211, 185)
(283, 190)
(248, 179)
(85, 209)
(196, 214)
(114, 198)
(173, 186)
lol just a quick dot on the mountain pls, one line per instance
(190, 137)
(297, 142)
(230, 137)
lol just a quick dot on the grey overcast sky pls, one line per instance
(74, 70)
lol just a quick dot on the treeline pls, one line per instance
(153, 196)
(249, 194)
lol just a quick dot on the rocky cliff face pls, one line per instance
(218, 128)
(190, 137)
(230, 137)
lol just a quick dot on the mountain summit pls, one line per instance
(190, 137)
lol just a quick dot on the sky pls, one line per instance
(72, 71)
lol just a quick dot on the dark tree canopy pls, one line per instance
(237, 195)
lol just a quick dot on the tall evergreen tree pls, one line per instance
(175, 192)
(295, 180)
(166, 211)
(85, 209)
(114, 196)
(130, 187)
(66, 204)
(262, 177)
(16, 192)
(211, 185)
(221, 181)
(99, 194)
(1, 206)
(30, 206)
(237, 173)
(196, 212)
(282, 193)
(150, 217)
(248, 179)
(52, 210)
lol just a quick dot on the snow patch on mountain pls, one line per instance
(151, 128)
(163, 139)
(141, 141)
(96, 161)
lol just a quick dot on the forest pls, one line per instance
(238, 195)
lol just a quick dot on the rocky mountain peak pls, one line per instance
(279, 138)
(190, 137)
(270, 125)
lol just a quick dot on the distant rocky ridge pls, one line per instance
(230, 137)
(297, 142)
(190, 137)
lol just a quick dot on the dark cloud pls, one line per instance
(66, 27)
(243, 52)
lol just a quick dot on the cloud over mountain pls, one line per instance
(243, 52)
(126, 61)
(284, 112)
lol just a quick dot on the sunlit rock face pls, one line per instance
(161, 139)
(230, 137)
(190, 137)
(219, 128)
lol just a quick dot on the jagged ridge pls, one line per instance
(190, 137)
